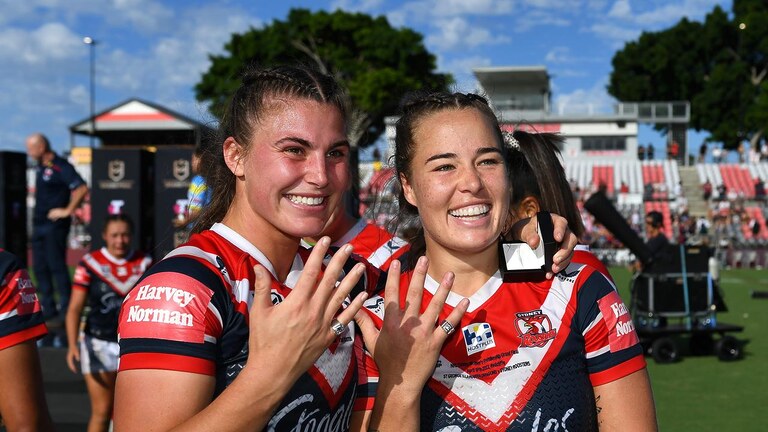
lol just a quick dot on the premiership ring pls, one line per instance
(447, 327)
(337, 328)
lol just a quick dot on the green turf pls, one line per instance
(701, 393)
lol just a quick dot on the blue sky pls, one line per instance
(157, 50)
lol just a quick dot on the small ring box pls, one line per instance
(518, 257)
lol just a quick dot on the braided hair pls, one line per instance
(247, 107)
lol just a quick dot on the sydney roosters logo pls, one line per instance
(535, 329)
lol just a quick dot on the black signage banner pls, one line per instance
(173, 173)
(13, 203)
(123, 183)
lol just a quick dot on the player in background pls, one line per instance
(22, 400)
(102, 280)
(529, 353)
(377, 245)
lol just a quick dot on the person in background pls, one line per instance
(538, 182)
(59, 189)
(717, 154)
(528, 352)
(22, 401)
(702, 152)
(650, 151)
(707, 190)
(102, 280)
(655, 239)
(198, 194)
(624, 188)
(372, 242)
(759, 189)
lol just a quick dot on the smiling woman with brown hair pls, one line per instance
(529, 353)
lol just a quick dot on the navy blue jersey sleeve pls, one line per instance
(612, 347)
(173, 318)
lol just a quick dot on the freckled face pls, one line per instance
(296, 169)
(458, 180)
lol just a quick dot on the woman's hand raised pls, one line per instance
(293, 334)
(408, 346)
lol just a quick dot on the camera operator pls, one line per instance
(656, 241)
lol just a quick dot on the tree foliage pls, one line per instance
(374, 61)
(719, 65)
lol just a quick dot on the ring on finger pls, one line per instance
(337, 327)
(447, 327)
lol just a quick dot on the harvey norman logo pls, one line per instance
(178, 296)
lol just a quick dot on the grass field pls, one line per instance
(701, 393)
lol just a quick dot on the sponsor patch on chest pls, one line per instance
(478, 337)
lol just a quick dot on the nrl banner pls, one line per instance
(173, 173)
(123, 182)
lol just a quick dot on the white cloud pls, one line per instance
(424, 11)
(461, 69)
(549, 3)
(649, 16)
(475, 7)
(456, 33)
(356, 5)
(540, 18)
(582, 101)
(614, 33)
(559, 54)
(174, 63)
(563, 55)
(49, 42)
(620, 9)
(144, 14)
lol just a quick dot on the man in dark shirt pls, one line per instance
(59, 189)
(655, 239)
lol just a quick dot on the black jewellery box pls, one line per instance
(518, 257)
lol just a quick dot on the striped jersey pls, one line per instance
(526, 355)
(190, 313)
(372, 242)
(21, 318)
(107, 280)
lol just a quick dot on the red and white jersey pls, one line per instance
(582, 255)
(527, 355)
(190, 313)
(21, 318)
(106, 280)
(372, 242)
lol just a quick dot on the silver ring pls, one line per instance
(337, 328)
(447, 327)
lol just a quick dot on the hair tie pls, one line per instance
(510, 140)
